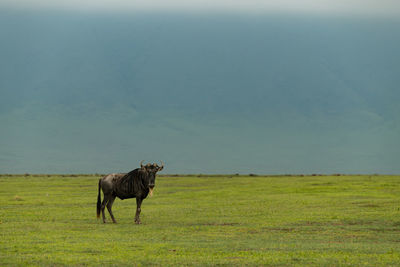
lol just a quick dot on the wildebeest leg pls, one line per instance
(103, 206)
(109, 206)
(138, 204)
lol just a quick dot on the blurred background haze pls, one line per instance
(207, 87)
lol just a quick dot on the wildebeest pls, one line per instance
(135, 184)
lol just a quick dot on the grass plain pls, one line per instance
(204, 221)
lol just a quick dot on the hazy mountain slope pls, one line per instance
(94, 93)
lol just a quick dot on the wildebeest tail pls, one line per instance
(99, 201)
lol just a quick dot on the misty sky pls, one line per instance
(347, 7)
(269, 87)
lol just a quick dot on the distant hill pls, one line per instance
(205, 93)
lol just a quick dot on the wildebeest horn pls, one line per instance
(141, 164)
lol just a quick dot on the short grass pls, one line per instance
(204, 221)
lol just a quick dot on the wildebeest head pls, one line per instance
(151, 170)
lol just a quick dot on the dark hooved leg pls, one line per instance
(138, 209)
(109, 207)
(103, 206)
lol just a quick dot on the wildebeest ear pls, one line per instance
(162, 166)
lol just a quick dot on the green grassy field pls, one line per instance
(204, 221)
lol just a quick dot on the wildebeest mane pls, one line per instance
(133, 181)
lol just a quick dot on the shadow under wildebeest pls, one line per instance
(135, 184)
